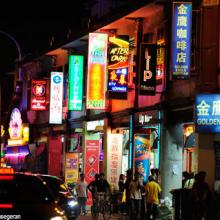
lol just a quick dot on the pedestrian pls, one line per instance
(93, 185)
(122, 194)
(29, 163)
(186, 176)
(121, 183)
(127, 190)
(201, 196)
(190, 181)
(82, 194)
(135, 187)
(153, 191)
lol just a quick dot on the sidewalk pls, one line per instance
(115, 216)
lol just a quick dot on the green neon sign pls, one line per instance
(75, 82)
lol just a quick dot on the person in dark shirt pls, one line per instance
(103, 185)
(121, 183)
(127, 188)
(201, 196)
(93, 186)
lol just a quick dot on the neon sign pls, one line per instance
(96, 78)
(148, 69)
(38, 94)
(15, 124)
(75, 82)
(118, 66)
(208, 113)
(181, 37)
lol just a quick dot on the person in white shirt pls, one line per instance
(82, 193)
(135, 187)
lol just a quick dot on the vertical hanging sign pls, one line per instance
(38, 94)
(148, 69)
(181, 37)
(118, 67)
(56, 98)
(75, 82)
(96, 77)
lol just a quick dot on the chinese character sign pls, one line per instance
(38, 94)
(181, 37)
(75, 82)
(56, 98)
(96, 77)
(118, 65)
(114, 162)
(208, 113)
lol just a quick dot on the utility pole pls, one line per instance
(12, 39)
(138, 40)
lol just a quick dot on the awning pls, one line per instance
(190, 141)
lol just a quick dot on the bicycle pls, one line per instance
(101, 205)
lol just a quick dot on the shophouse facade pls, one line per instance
(145, 125)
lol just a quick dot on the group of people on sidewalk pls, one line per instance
(98, 185)
(201, 201)
(142, 199)
(136, 196)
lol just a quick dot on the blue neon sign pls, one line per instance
(208, 113)
(181, 37)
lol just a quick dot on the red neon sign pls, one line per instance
(38, 94)
(6, 177)
(6, 206)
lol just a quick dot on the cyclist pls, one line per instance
(103, 185)
(92, 187)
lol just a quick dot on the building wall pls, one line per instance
(171, 159)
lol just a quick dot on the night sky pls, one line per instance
(35, 24)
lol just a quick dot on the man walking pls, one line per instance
(82, 193)
(152, 194)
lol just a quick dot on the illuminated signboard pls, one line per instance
(96, 78)
(148, 69)
(91, 125)
(18, 131)
(56, 98)
(38, 94)
(208, 113)
(118, 67)
(181, 37)
(75, 82)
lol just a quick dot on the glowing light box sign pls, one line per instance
(118, 67)
(38, 94)
(56, 98)
(75, 82)
(96, 77)
(181, 36)
(208, 113)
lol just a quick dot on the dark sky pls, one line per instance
(33, 25)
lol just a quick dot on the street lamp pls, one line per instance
(18, 48)
(9, 36)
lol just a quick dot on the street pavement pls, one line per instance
(113, 217)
